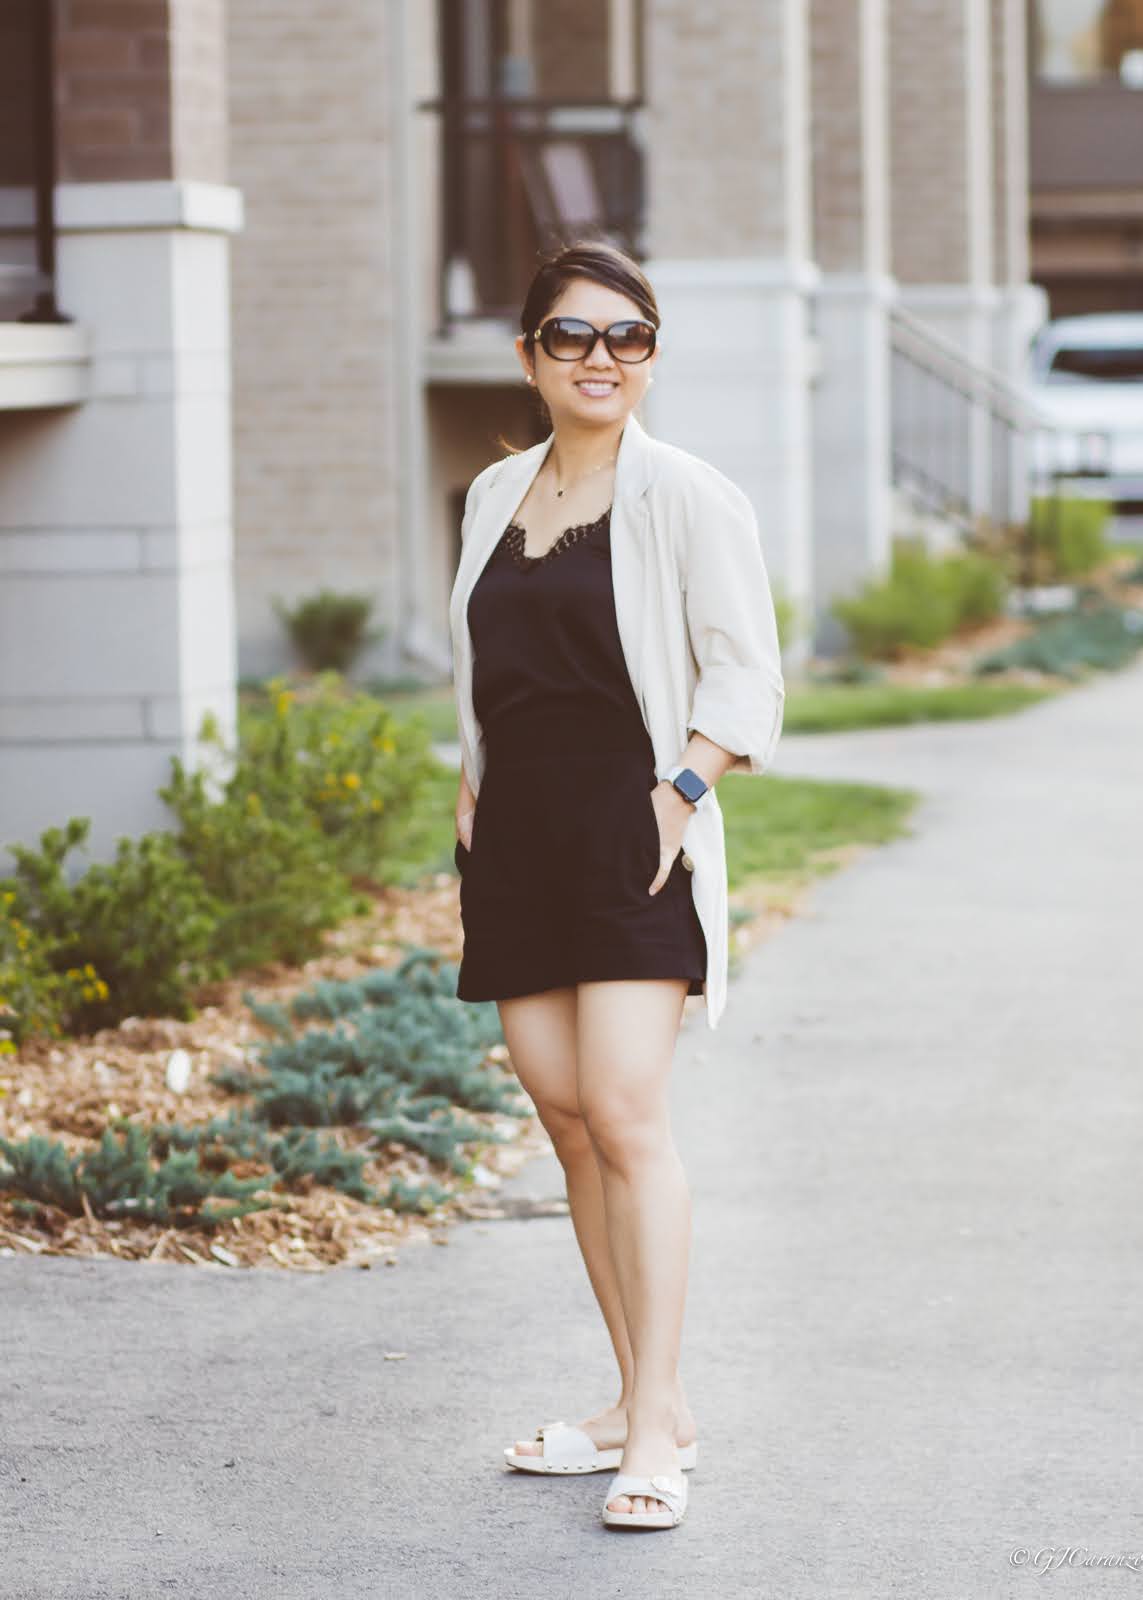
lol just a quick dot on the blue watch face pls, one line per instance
(690, 785)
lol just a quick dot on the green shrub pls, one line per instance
(357, 772)
(268, 870)
(978, 585)
(1070, 534)
(119, 1179)
(144, 922)
(912, 606)
(34, 996)
(923, 600)
(1101, 636)
(328, 630)
(321, 790)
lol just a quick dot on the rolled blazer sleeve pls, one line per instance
(739, 695)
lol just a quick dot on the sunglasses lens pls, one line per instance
(566, 339)
(632, 341)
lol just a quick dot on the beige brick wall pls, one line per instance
(571, 46)
(727, 128)
(940, 218)
(848, 84)
(1010, 140)
(198, 72)
(312, 286)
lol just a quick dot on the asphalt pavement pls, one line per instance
(915, 1315)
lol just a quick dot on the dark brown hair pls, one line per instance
(584, 258)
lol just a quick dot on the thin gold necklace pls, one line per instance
(583, 475)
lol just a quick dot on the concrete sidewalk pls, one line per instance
(915, 1317)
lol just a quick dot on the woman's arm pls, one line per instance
(739, 697)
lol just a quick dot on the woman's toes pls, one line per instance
(620, 1503)
(528, 1447)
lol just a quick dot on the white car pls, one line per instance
(1085, 378)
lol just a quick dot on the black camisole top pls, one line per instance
(548, 665)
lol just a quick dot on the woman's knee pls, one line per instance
(567, 1130)
(624, 1136)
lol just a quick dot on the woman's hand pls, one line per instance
(672, 813)
(464, 826)
(465, 812)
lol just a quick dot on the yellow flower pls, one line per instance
(376, 805)
(284, 701)
(7, 1048)
(388, 745)
(89, 970)
(351, 780)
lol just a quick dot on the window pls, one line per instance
(1088, 42)
(537, 103)
(1093, 364)
(27, 236)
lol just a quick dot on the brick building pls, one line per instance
(296, 237)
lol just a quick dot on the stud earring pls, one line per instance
(529, 377)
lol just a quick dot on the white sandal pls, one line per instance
(568, 1449)
(671, 1490)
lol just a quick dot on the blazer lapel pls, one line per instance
(628, 555)
(629, 551)
(493, 510)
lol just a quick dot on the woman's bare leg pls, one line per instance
(540, 1032)
(626, 1037)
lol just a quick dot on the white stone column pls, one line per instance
(732, 386)
(851, 442)
(727, 148)
(116, 590)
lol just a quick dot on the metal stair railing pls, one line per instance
(967, 443)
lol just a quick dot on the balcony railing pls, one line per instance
(27, 164)
(518, 176)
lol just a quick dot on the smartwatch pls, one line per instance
(688, 783)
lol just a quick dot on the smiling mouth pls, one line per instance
(603, 385)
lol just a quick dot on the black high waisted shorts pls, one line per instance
(565, 844)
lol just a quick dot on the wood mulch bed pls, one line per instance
(68, 1089)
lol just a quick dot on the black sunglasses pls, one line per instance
(572, 339)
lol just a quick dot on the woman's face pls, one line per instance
(597, 389)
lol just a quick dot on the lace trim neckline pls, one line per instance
(515, 535)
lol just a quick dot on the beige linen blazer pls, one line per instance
(696, 622)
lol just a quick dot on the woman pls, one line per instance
(615, 652)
